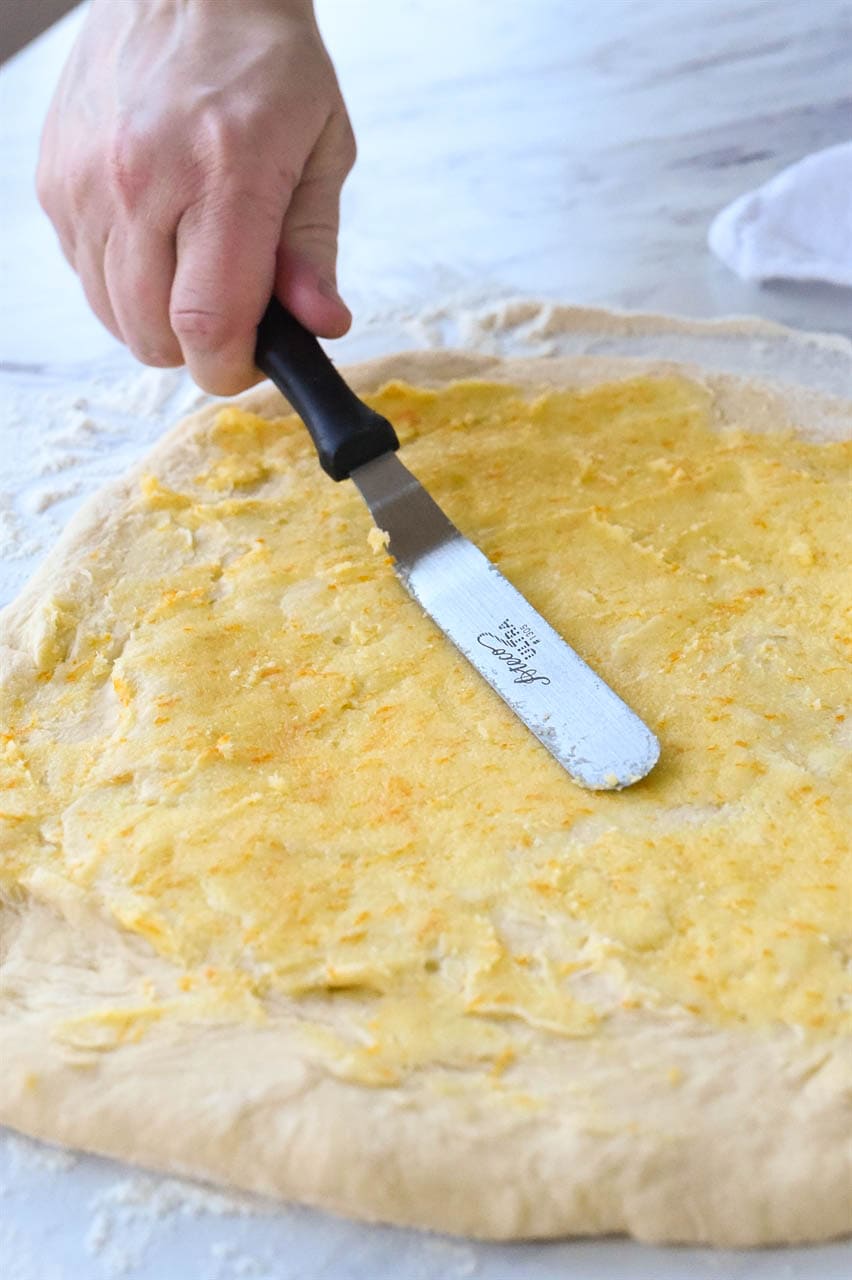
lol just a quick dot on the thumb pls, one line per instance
(306, 264)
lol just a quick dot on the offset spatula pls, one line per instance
(578, 718)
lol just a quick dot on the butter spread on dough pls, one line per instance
(255, 752)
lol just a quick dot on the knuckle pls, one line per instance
(202, 329)
(225, 137)
(348, 148)
(287, 177)
(128, 165)
(316, 238)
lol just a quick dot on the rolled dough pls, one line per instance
(129, 1028)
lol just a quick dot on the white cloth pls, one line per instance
(797, 226)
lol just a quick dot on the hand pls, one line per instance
(191, 163)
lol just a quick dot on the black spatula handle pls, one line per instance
(346, 432)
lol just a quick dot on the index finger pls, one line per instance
(226, 248)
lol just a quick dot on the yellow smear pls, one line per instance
(104, 1030)
(291, 779)
(378, 540)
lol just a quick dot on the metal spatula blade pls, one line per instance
(586, 727)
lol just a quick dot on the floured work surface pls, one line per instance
(291, 901)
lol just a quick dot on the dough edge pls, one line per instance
(752, 1147)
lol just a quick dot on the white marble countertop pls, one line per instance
(552, 148)
(556, 149)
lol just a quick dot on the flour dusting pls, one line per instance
(60, 442)
(40, 500)
(27, 1156)
(15, 543)
(131, 1215)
